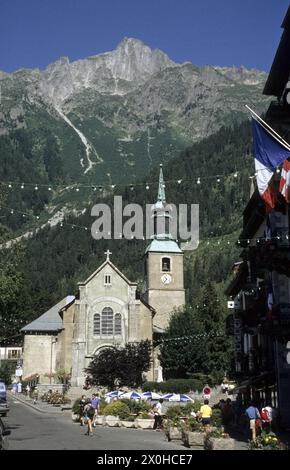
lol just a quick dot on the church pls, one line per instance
(108, 311)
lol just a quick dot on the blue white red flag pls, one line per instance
(269, 153)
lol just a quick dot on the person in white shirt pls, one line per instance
(158, 413)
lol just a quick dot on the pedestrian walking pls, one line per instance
(27, 388)
(205, 413)
(19, 387)
(95, 402)
(35, 395)
(267, 417)
(253, 416)
(82, 404)
(89, 413)
(227, 414)
(158, 415)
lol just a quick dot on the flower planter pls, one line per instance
(145, 423)
(193, 439)
(174, 434)
(219, 443)
(75, 417)
(99, 420)
(112, 421)
(128, 424)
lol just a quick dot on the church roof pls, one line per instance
(50, 320)
(163, 246)
(109, 262)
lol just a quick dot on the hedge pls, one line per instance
(174, 386)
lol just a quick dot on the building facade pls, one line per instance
(108, 311)
(260, 304)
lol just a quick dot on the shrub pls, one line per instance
(136, 406)
(144, 415)
(189, 407)
(194, 426)
(76, 407)
(216, 417)
(102, 405)
(174, 386)
(267, 442)
(175, 411)
(116, 408)
(203, 379)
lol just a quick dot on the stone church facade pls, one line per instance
(108, 311)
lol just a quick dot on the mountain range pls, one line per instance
(112, 117)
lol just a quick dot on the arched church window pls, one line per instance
(107, 321)
(166, 264)
(118, 324)
(97, 324)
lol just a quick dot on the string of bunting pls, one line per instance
(77, 186)
(37, 217)
(175, 340)
(186, 338)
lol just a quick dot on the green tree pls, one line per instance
(217, 348)
(178, 349)
(195, 340)
(120, 366)
(7, 369)
(13, 301)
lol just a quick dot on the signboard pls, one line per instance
(18, 372)
(206, 391)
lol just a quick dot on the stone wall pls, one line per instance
(39, 356)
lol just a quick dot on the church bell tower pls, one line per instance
(164, 287)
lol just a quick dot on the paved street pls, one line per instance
(34, 430)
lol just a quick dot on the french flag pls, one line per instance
(285, 181)
(270, 152)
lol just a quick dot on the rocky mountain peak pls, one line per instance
(135, 61)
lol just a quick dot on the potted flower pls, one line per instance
(173, 429)
(267, 442)
(112, 412)
(217, 439)
(192, 434)
(128, 421)
(145, 420)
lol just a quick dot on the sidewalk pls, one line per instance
(40, 406)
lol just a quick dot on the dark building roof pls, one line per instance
(280, 70)
(50, 320)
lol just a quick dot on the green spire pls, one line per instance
(161, 187)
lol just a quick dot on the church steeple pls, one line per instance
(161, 213)
(161, 187)
(163, 284)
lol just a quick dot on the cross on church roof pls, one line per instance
(108, 253)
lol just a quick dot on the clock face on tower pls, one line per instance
(166, 279)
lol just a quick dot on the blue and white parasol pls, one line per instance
(180, 397)
(131, 395)
(151, 396)
(114, 394)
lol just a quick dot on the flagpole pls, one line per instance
(272, 135)
(269, 128)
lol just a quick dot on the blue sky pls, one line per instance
(34, 33)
